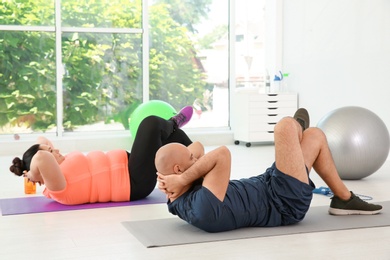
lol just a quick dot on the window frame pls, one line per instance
(121, 138)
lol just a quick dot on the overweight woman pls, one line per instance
(116, 175)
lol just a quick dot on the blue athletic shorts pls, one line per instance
(269, 199)
(290, 196)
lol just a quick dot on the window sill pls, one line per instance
(105, 141)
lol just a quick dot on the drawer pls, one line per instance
(255, 95)
(259, 119)
(272, 104)
(262, 127)
(272, 97)
(264, 112)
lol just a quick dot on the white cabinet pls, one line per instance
(254, 115)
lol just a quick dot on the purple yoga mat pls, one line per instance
(28, 205)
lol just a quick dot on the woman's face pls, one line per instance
(55, 152)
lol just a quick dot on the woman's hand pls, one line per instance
(172, 185)
(34, 178)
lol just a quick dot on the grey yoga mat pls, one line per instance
(174, 231)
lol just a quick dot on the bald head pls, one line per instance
(170, 155)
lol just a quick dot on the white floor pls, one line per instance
(98, 233)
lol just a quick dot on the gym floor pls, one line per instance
(98, 233)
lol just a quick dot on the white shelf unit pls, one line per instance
(255, 114)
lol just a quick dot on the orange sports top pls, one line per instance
(95, 177)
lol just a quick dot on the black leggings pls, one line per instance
(153, 132)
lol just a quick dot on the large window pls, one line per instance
(82, 66)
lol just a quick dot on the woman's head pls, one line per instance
(20, 165)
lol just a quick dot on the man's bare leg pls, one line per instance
(289, 157)
(316, 152)
(295, 149)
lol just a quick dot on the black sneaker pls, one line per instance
(302, 117)
(353, 206)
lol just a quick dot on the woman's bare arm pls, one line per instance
(45, 169)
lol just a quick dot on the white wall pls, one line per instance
(338, 54)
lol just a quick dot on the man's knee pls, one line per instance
(315, 133)
(224, 154)
(286, 125)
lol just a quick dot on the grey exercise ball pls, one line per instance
(358, 139)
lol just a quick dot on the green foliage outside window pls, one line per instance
(102, 72)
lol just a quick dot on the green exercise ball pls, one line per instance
(150, 108)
